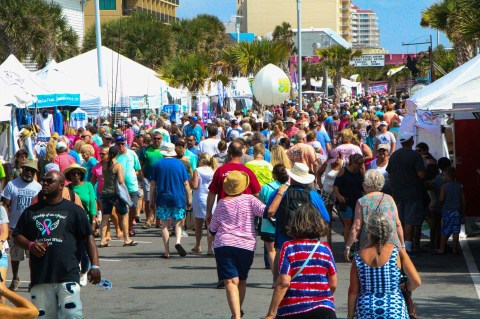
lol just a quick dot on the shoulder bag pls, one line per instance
(307, 260)
(122, 192)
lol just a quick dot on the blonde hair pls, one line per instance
(88, 149)
(347, 135)
(70, 131)
(204, 159)
(51, 151)
(78, 145)
(278, 156)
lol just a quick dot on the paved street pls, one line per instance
(147, 286)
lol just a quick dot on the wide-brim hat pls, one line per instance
(300, 174)
(31, 163)
(236, 182)
(168, 150)
(74, 167)
(25, 133)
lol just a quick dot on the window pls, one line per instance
(108, 4)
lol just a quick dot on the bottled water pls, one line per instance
(105, 284)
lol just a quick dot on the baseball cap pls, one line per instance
(316, 145)
(108, 136)
(194, 118)
(61, 146)
(119, 139)
(52, 167)
(383, 123)
(405, 137)
(383, 147)
(134, 118)
(290, 120)
(234, 121)
(346, 113)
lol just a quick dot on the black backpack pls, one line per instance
(291, 201)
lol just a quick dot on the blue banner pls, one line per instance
(50, 100)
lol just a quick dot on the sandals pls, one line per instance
(196, 251)
(165, 256)
(146, 226)
(132, 243)
(181, 251)
(104, 245)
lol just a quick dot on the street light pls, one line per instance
(299, 45)
(237, 26)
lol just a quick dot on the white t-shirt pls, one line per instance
(20, 195)
(209, 146)
(199, 205)
(385, 138)
(46, 125)
(78, 118)
(3, 220)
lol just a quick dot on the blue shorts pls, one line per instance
(165, 213)
(233, 262)
(134, 198)
(347, 213)
(452, 220)
(113, 200)
(4, 262)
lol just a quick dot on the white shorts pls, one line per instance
(60, 300)
(17, 253)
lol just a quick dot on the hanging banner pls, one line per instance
(368, 60)
(138, 103)
(378, 89)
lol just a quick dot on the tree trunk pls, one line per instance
(463, 51)
(337, 86)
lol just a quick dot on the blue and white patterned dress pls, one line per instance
(380, 296)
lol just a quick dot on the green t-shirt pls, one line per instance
(2, 171)
(87, 196)
(262, 169)
(149, 156)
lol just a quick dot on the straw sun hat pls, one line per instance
(236, 182)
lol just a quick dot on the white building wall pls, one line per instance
(73, 11)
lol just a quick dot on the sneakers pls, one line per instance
(83, 280)
(14, 284)
(184, 233)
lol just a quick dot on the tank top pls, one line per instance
(109, 179)
(330, 175)
(453, 196)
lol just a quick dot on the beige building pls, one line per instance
(262, 16)
(165, 10)
(365, 31)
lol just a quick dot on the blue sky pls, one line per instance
(399, 21)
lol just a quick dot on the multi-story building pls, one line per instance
(365, 31)
(164, 10)
(73, 11)
(262, 16)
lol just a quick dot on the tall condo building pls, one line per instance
(262, 16)
(164, 10)
(365, 31)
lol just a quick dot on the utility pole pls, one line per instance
(430, 54)
(299, 44)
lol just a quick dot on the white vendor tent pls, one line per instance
(91, 97)
(123, 78)
(424, 109)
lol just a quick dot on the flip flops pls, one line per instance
(132, 243)
(104, 245)
(181, 251)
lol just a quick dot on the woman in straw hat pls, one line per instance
(234, 230)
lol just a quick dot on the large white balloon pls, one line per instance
(271, 85)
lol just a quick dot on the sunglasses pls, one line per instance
(157, 138)
(48, 180)
(28, 169)
(190, 140)
(76, 173)
(103, 153)
(84, 136)
(120, 143)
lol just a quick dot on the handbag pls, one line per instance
(122, 192)
(407, 295)
(307, 260)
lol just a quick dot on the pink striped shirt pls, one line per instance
(233, 221)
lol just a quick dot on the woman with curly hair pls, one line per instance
(87, 151)
(374, 290)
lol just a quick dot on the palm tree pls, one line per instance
(459, 20)
(248, 58)
(141, 37)
(37, 29)
(189, 71)
(402, 76)
(283, 32)
(366, 74)
(337, 58)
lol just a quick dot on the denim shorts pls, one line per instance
(347, 213)
(233, 262)
(165, 213)
(113, 200)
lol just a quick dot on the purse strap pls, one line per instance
(307, 260)
(378, 205)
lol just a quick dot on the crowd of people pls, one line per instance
(281, 174)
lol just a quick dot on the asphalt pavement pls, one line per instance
(147, 286)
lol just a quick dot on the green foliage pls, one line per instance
(190, 71)
(140, 37)
(249, 58)
(284, 33)
(35, 28)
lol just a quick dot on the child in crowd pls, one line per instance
(453, 208)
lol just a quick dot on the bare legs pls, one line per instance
(166, 235)
(236, 290)
(271, 255)
(347, 225)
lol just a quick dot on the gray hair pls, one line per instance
(379, 230)
(63, 138)
(246, 127)
(300, 135)
(373, 180)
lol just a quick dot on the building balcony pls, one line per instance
(159, 16)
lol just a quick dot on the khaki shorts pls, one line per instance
(17, 253)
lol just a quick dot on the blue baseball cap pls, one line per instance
(194, 118)
(119, 139)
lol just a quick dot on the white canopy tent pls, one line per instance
(424, 109)
(91, 98)
(123, 78)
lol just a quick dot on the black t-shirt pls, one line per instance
(64, 226)
(350, 186)
(403, 166)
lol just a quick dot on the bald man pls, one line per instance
(53, 230)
